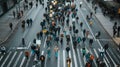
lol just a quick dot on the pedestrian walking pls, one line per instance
(106, 47)
(23, 27)
(80, 4)
(33, 47)
(61, 41)
(43, 5)
(81, 25)
(77, 18)
(83, 39)
(84, 31)
(14, 14)
(28, 22)
(36, 5)
(87, 57)
(37, 53)
(90, 42)
(79, 39)
(23, 41)
(97, 35)
(90, 23)
(87, 33)
(59, 28)
(27, 54)
(11, 26)
(49, 52)
(91, 13)
(101, 53)
(83, 51)
(56, 51)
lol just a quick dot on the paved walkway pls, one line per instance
(105, 22)
(5, 31)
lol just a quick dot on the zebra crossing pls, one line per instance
(17, 58)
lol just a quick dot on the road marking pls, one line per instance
(19, 48)
(70, 58)
(79, 57)
(29, 45)
(22, 61)
(42, 53)
(6, 59)
(105, 40)
(113, 55)
(12, 59)
(74, 55)
(96, 53)
(111, 59)
(1, 57)
(64, 62)
(45, 42)
(46, 60)
(17, 59)
(58, 65)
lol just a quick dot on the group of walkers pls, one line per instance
(51, 29)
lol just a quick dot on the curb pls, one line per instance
(102, 25)
(23, 17)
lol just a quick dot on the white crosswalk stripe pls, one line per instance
(11, 59)
(79, 56)
(6, 59)
(17, 59)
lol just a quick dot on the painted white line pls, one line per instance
(71, 59)
(79, 57)
(112, 59)
(19, 48)
(6, 59)
(12, 59)
(74, 55)
(1, 57)
(22, 61)
(28, 60)
(105, 62)
(17, 59)
(45, 42)
(42, 53)
(58, 65)
(114, 55)
(96, 52)
(46, 60)
(64, 59)
(29, 45)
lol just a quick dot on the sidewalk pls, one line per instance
(5, 31)
(105, 22)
